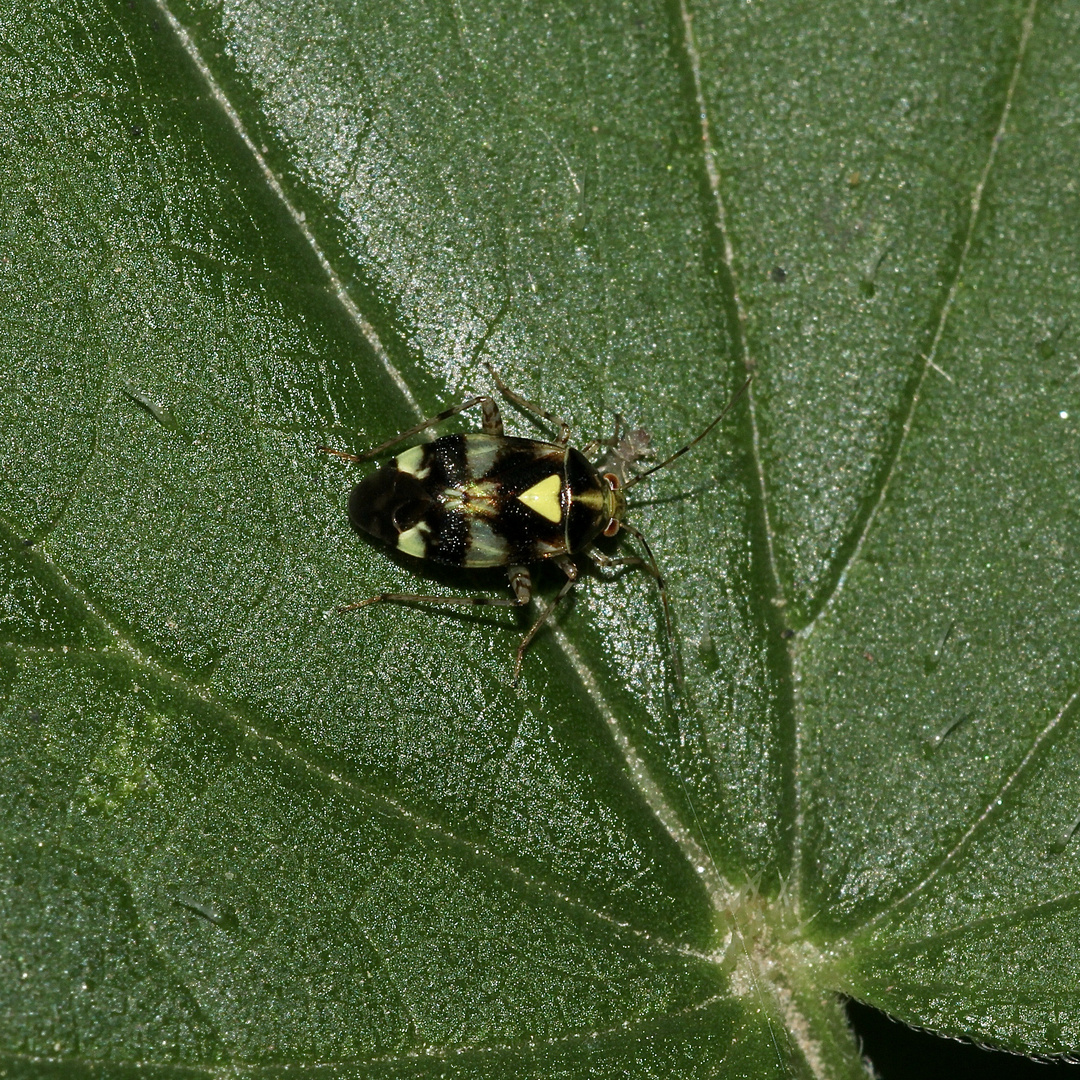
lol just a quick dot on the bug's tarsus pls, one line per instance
(592, 447)
(357, 604)
(343, 454)
(609, 563)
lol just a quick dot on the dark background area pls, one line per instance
(899, 1052)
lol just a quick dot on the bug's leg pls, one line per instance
(566, 565)
(608, 563)
(492, 424)
(649, 562)
(343, 454)
(592, 447)
(415, 598)
(490, 417)
(520, 582)
(522, 403)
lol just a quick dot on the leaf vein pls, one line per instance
(929, 359)
(120, 646)
(987, 812)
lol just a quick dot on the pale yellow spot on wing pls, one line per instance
(409, 461)
(486, 547)
(544, 497)
(480, 451)
(411, 541)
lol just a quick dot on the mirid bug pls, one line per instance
(486, 499)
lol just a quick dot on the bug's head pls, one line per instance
(388, 503)
(615, 503)
(626, 448)
(692, 443)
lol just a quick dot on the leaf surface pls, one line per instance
(240, 829)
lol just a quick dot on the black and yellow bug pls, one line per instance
(486, 499)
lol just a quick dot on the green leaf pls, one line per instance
(241, 830)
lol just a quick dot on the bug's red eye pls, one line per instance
(612, 527)
(613, 480)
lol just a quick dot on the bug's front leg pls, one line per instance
(567, 566)
(651, 567)
(593, 446)
(520, 584)
(609, 563)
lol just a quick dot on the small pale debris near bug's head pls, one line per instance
(486, 499)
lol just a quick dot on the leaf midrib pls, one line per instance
(146, 668)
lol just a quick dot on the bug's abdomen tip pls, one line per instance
(388, 503)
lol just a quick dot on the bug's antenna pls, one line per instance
(690, 445)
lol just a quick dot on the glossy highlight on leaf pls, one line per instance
(242, 831)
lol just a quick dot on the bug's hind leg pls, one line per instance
(564, 428)
(522, 594)
(566, 565)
